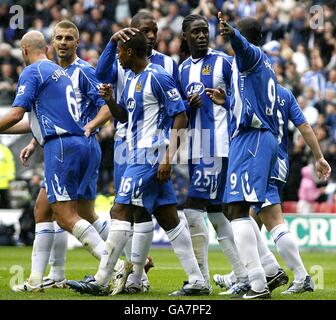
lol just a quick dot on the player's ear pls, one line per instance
(184, 36)
(129, 51)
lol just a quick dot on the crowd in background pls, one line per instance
(299, 38)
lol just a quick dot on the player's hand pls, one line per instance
(217, 95)
(195, 100)
(88, 130)
(105, 91)
(224, 28)
(323, 169)
(163, 173)
(25, 154)
(124, 34)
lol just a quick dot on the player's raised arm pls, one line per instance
(105, 70)
(244, 41)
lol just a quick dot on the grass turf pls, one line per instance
(165, 277)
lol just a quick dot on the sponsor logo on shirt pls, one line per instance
(130, 104)
(195, 87)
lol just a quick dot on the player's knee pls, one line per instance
(195, 203)
(42, 213)
(167, 217)
(119, 212)
(237, 210)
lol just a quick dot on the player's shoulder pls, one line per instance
(157, 70)
(40, 69)
(185, 64)
(156, 55)
(85, 68)
(221, 54)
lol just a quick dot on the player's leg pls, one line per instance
(251, 158)
(56, 276)
(143, 230)
(86, 210)
(67, 180)
(275, 276)
(44, 236)
(119, 167)
(225, 239)
(179, 236)
(287, 248)
(194, 211)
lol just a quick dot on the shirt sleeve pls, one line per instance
(165, 90)
(295, 113)
(106, 69)
(26, 90)
(90, 86)
(247, 54)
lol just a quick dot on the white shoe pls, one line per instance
(27, 287)
(132, 287)
(197, 288)
(121, 275)
(51, 283)
(296, 287)
(238, 289)
(145, 285)
(224, 281)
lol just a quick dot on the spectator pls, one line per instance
(7, 174)
(308, 191)
(79, 17)
(309, 112)
(8, 80)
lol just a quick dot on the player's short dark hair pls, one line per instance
(67, 24)
(141, 15)
(191, 18)
(137, 43)
(250, 28)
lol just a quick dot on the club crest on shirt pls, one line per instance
(138, 87)
(206, 70)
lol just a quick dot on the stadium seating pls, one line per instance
(289, 206)
(327, 207)
(317, 207)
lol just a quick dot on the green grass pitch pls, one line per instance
(165, 277)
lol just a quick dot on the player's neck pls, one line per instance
(37, 57)
(67, 62)
(139, 65)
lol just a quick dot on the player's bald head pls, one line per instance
(34, 40)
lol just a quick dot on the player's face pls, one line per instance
(124, 57)
(65, 42)
(149, 28)
(197, 37)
